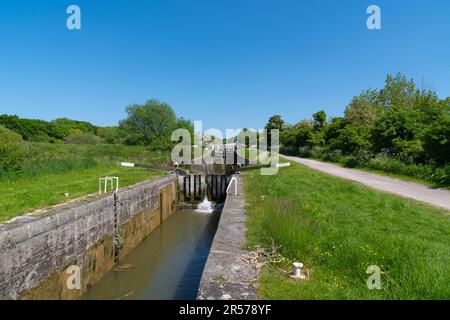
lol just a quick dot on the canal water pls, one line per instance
(168, 264)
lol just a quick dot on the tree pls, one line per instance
(399, 130)
(275, 122)
(34, 130)
(186, 124)
(364, 109)
(349, 140)
(317, 137)
(437, 141)
(399, 120)
(297, 135)
(398, 91)
(149, 124)
(320, 118)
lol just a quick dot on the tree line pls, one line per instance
(400, 128)
(149, 124)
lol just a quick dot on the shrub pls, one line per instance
(305, 152)
(363, 155)
(12, 156)
(289, 150)
(437, 141)
(317, 152)
(34, 130)
(352, 162)
(334, 156)
(386, 164)
(110, 135)
(83, 138)
(442, 175)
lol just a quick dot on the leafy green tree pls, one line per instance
(351, 140)
(186, 124)
(275, 122)
(34, 130)
(397, 126)
(317, 137)
(364, 109)
(149, 124)
(333, 129)
(296, 136)
(288, 141)
(437, 141)
(399, 130)
(303, 130)
(320, 119)
(398, 91)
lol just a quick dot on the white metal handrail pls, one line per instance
(106, 180)
(235, 185)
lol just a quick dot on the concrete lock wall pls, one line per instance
(42, 255)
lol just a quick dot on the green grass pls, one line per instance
(337, 229)
(54, 169)
(7, 135)
(22, 195)
(39, 152)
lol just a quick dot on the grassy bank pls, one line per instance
(39, 152)
(51, 170)
(337, 229)
(22, 195)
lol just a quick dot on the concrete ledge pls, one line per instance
(226, 276)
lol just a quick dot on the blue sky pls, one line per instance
(230, 63)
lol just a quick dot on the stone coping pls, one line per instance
(226, 276)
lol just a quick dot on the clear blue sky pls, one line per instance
(230, 63)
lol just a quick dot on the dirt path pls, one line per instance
(416, 191)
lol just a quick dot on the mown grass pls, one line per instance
(22, 195)
(51, 170)
(337, 229)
